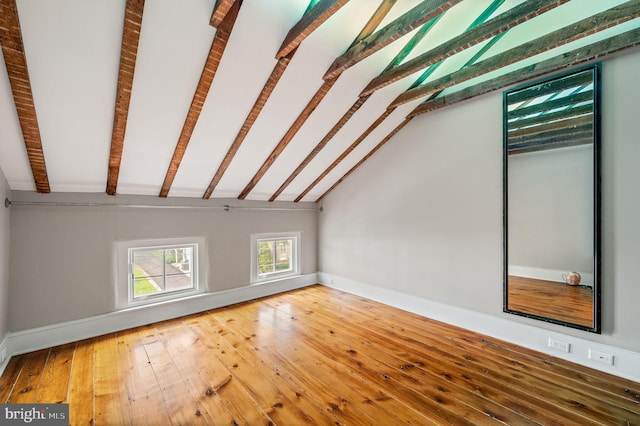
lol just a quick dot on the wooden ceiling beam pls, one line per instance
(16, 64)
(383, 9)
(218, 46)
(311, 20)
(220, 10)
(369, 28)
(293, 130)
(411, 20)
(346, 152)
(366, 157)
(316, 150)
(569, 59)
(268, 88)
(128, 53)
(575, 31)
(501, 23)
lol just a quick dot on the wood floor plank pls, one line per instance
(28, 381)
(262, 390)
(315, 356)
(81, 393)
(181, 407)
(111, 404)
(226, 340)
(502, 376)
(193, 366)
(411, 383)
(144, 393)
(620, 392)
(9, 377)
(387, 409)
(54, 383)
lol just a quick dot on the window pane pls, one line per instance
(161, 270)
(265, 257)
(283, 255)
(178, 268)
(148, 272)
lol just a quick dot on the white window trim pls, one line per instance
(124, 298)
(295, 254)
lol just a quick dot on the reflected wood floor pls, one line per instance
(314, 356)
(552, 299)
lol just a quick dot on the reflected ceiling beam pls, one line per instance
(311, 20)
(371, 25)
(220, 10)
(128, 54)
(501, 23)
(572, 58)
(366, 157)
(411, 20)
(16, 64)
(575, 31)
(354, 108)
(218, 46)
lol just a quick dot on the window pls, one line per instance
(274, 256)
(158, 270)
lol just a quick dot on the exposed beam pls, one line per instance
(268, 88)
(220, 10)
(366, 157)
(375, 20)
(311, 20)
(572, 58)
(218, 47)
(293, 129)
(346, 152)
(491, 28)
(335, 129)
(16, 63)
(411, 20)
(369, 28)
(575, 31)
(128, 53)
(415, 39)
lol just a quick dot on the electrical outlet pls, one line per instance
(601, 357)
(559, 345)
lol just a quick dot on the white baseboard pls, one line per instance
(57, 334)
(4, 353)
(626, 363)
(548, 274)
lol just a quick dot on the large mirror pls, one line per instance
(552, 199)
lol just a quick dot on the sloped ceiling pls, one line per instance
(259, 99)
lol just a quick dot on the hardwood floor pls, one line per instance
(552, 299)
(316, 356)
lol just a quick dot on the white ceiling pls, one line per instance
(72, 49)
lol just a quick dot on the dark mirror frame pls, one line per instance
(596, 326)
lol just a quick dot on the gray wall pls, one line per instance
(4, 256)
(424, 215)
(62, 257)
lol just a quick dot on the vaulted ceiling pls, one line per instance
(259, 99)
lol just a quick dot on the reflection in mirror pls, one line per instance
(551, 200)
